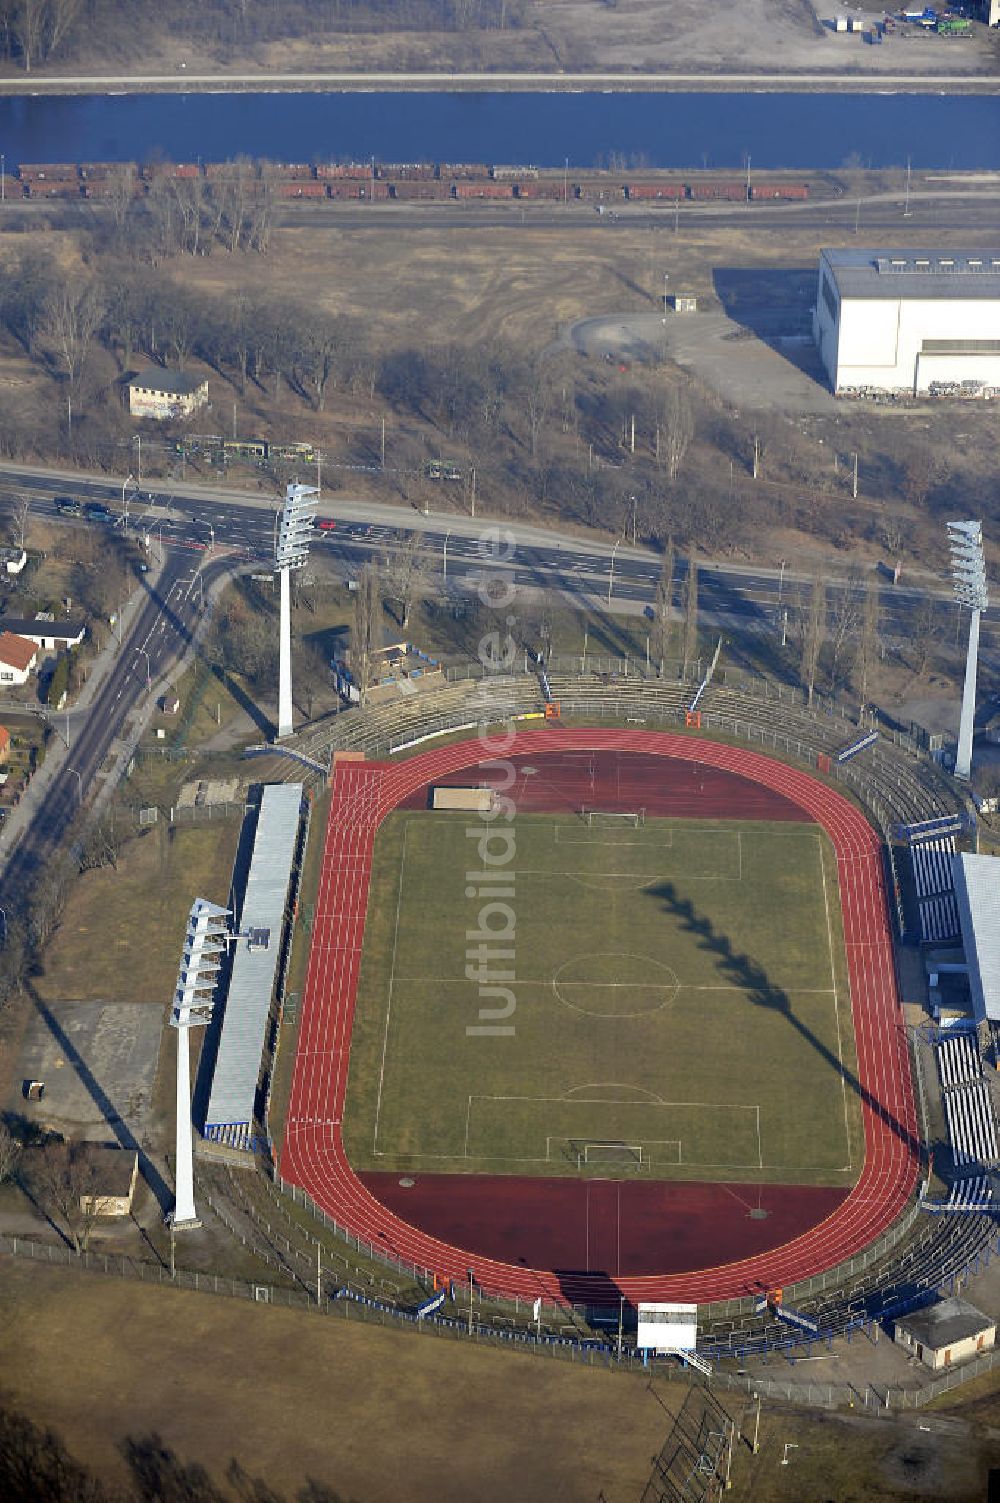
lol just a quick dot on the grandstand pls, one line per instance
(931, 861)
(233, 1100)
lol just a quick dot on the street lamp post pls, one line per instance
(968, 568)
(79, 785)
(149, 676)
(444, 557)
(781, 580)
(129, 480)
(666, 279)
(611, 573)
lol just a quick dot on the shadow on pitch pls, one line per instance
(748, 976)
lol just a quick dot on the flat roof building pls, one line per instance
(946, 1332)
(909, 321)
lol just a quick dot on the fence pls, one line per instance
(347, 1305)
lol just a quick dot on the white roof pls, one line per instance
(667, 1328)
(251, 983)
(977, 891)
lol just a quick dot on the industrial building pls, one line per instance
(163, 394)
(904, 322)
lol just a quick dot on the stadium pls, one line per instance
(681, 1070)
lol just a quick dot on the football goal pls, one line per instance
(611, 818)
(614, 1154)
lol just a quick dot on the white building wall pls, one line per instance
(877, 342)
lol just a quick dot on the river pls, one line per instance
(800, 132)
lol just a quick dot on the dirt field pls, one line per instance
(374, 1414)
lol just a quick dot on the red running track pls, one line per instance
(313, 1153)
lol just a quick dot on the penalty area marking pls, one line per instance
(709, 1106)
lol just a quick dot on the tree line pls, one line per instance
(36, 32)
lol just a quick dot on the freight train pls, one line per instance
(400, 182)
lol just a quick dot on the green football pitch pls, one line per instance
(679, 1005)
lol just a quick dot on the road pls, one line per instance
(163, 625)
(857, 80)
(598, 576)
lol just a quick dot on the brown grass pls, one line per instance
(121, 933)
(375, 1414)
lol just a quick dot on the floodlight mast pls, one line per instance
(291, 550)
(204, 941)
(968, 567)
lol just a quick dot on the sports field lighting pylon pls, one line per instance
(968, 567)
(291, 549)
(205, 939)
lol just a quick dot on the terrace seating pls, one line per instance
(958, 1061)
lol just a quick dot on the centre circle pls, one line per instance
(615, 984)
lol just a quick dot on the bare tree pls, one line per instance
(20, 515)
(813, 636)
(64, 1179)
(844, 621)
(925, 629)
(690, 616)
(10, 1153)
(677, 430)
(406, 577)
(663, 607)
(364, 638)
(73, 314)
(868, 642)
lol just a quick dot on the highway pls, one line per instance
(461, 552)
(201, 536)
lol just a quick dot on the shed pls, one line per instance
(684, 302)
(112, 1174)
(170, 704)
(946, 1332)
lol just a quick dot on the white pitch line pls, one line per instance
(392, 977)
(836, 999)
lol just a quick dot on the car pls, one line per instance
(326, 524)
(96, 511)
(68, 506)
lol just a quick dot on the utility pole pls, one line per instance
(748, 177)
(472, 494)
(756, 456)
(566, 182)
(382, 451)
(632, 441)
(319, 1275)
(906, 200)
(854, 488)
(234, 417)
(756, 1428)
(470, 1301)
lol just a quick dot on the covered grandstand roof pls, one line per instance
(977, 891)
(248, 1002)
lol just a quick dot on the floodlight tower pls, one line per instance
(204, 940)
(291, 549)
(968, 567)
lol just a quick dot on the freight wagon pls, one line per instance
(730, 192)
(510, 174)
(300, 190)
(375, 192)
(407, 172)
(289, 172)
(482, 190)
(67, 188)
(643, 191)
(770, 191)
(551, 190)
(351, 171)
(596, 192)
(421, 191)
(452, 171)
(171, 169)
(93, 171)
(60, 172)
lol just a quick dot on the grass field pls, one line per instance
(680, 1006)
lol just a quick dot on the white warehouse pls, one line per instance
(907, 321)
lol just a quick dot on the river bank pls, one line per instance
(264, 81)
